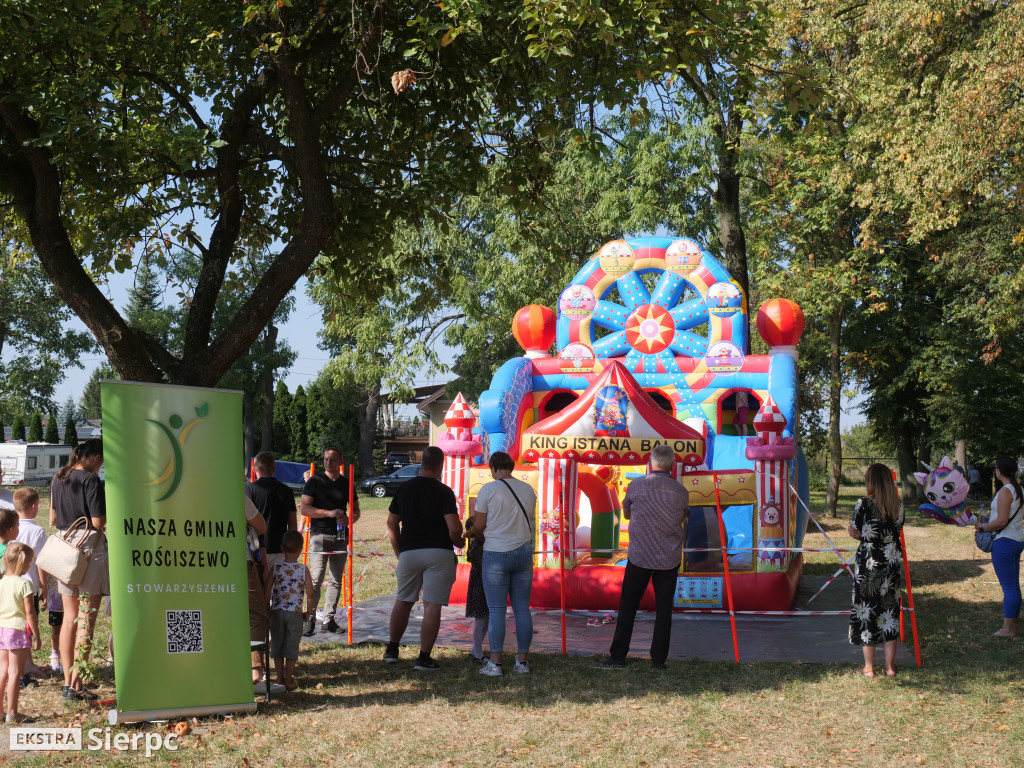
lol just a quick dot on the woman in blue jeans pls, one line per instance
(505, 513)
(1007, 518)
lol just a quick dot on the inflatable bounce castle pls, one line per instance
(651, 348)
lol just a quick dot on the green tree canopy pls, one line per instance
(36, 351)
(298, 418)
(35, 428)
(89, 405)
(52, 434)
(282, 438)
(18, 427)
(70, 432)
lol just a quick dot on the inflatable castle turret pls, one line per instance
(459, 445)
(770, 452)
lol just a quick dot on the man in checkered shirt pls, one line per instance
(656, 507)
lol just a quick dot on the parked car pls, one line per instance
(385, 484)
(395, 461)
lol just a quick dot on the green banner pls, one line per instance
(176, 531)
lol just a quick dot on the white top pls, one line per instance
(1015, 528)
(32, 534)
(6, 499)
(507, 526)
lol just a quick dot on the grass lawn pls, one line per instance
(962, 708)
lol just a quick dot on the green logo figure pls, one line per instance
(176, 467)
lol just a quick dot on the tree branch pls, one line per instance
(225, 233)
(179, 98)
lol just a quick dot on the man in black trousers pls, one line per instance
(656, 507)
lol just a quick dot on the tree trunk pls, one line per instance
(907, 457)
(267, 438)
(730, 224)
(961, 454)
(924, 449)
(248, 430)
(368, 427)
(835, 396)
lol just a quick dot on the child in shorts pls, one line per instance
(289, 581)
(30, 533)
(19, 631)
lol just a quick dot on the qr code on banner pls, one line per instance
(184, 631)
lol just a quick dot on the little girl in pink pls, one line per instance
(19, 629)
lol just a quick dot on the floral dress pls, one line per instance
(476, 600)
(877, 577)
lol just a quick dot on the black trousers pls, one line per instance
(634, 584)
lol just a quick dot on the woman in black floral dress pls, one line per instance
(877, 569)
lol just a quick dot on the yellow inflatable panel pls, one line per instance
(735, 487)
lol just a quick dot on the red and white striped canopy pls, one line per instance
(577, 432)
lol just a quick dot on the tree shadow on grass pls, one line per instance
(927, 572)
(554, 679)
(957, 649)
(959, 655)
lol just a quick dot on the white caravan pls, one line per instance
(31, 463)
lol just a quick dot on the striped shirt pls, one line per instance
(657, 507)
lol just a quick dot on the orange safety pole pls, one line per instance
(561, 566)
(305, 537)
(725, 564)
(910, 600)
(351, 554)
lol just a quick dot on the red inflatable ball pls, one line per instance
(780, 322)
(534, 329)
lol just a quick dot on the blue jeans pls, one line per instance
(509, 576)
(1006, 560)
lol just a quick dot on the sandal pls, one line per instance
(19, 719)
(74, 694)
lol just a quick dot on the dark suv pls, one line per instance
(396, 461)
(385, 484)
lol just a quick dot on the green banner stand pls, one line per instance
(176, 534)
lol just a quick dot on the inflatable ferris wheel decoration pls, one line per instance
(692, 320)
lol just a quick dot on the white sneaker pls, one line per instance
(260, 689)
(491, 669)
(522, 667)
(55, 663)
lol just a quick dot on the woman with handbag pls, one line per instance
(1006, 522)
(505, 511)
(76, 496)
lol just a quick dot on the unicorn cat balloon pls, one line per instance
(945, 488)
